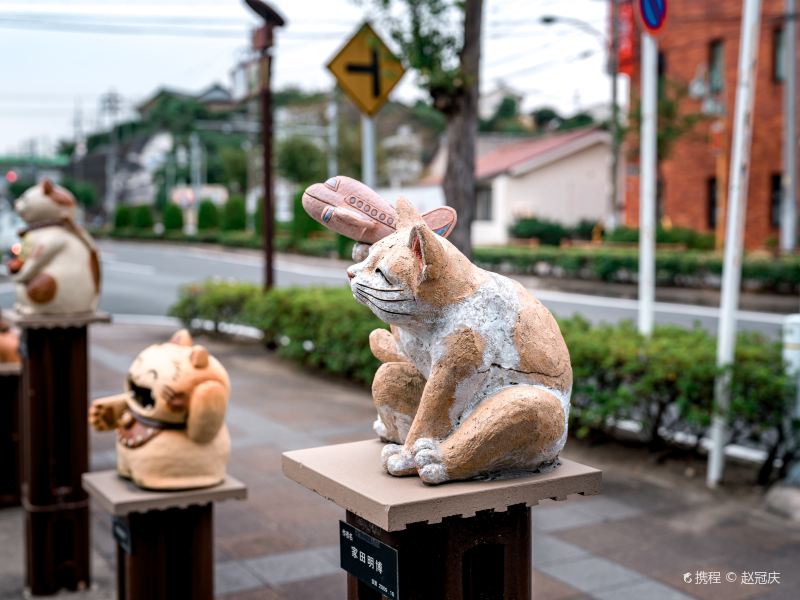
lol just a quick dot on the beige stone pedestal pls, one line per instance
(460, 540)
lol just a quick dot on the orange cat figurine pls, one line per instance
(476, 377)
(170, 421)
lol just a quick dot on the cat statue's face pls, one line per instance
(402, 275)
(45, 201)
(163, 377)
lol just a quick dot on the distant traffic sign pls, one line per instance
(366, 70)
(653, 13)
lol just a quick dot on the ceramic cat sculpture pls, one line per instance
(57, 270)
(476, 377)
(170, 421)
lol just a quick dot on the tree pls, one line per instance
(546, 118)
(142, 217)
(301, 161)
(506, 118)
(234, 168)
(448, 67)
(85, 193)
(674, 120)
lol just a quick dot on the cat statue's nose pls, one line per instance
(350, 274)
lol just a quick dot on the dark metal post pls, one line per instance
(268, 223)
(170, 555)
(9, 435)
(262, 42)
(55, 454)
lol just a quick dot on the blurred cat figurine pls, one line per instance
(57, 270)
(476, 377)
(170, 421)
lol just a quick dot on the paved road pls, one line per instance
(143, 279)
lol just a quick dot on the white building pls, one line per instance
(562, 177)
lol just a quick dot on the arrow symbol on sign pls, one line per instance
(369, 69)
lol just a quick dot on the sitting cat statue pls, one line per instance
(170, 421)
(57, 270)
(476, 377)
(9, 344)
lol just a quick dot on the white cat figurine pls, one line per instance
(57, 270)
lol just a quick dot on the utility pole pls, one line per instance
(262, 43)
(788, 237)
(110, 104)
(734, 239)
(333, 134)
(647, 183)
(195, 162)
(368, 150)
(613, 67)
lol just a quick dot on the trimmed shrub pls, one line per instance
(123, 217)
(693, 240)
(234, 214)
(547, 232)
(302, 225)
(665, 382)
(207, 215)
(142, 217)
(172, 217)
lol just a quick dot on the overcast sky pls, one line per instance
(133, 47)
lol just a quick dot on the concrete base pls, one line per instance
(351, 476)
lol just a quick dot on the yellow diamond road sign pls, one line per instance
(366, 70)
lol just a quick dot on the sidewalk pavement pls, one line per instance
(648, 528)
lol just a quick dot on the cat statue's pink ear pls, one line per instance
(428, 251)
(182, 338)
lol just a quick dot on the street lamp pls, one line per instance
(262, 43)
(613, 47)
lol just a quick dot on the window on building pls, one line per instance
(483, 202)
(776, 191)
(778, 51)
(711, 202)
(716, 68)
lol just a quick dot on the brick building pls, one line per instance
(698, 51)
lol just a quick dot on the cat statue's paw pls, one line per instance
(397, 460)
(380, 430)
(429, 462)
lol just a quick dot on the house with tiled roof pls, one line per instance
(562, 176)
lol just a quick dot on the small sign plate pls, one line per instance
(369, 559)
(122, 533)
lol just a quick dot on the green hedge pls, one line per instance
(694, 240)
(172, 217)
(207, 215)
(142, 217)
(665, 383)
(234, 214)
(673, 268)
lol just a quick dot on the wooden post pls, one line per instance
(171, 555)
(55, 450)
(486, 557)
(9, 435)
(165, 540)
